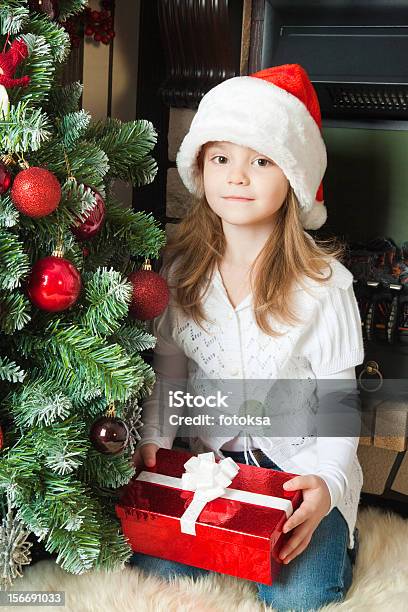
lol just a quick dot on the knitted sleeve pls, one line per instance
(333, 340)
(171, 369)
(336, 453)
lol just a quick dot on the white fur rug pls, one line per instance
(380, 581)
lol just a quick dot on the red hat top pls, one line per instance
(294, 79)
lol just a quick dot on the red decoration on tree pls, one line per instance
(150, 294)
(1, 438)
(36, 192)
(93, 223)
(9, 61)
(54, 284)
(97, 25)
(48, 7)
(109, 435)
(5, 178)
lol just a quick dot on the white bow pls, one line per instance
(209, 480)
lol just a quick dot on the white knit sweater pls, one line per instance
(328, 342)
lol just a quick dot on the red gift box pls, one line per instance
(237, 533)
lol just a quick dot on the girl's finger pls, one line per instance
(300, 482)
(302, 533)
(297, 551)
(300, 515)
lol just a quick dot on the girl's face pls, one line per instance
(233, 171)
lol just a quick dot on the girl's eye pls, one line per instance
(219, 157)
(261, 159)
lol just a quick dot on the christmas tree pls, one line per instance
(74, 302)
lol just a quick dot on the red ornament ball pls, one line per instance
(150, 295)
(5, 178)
(93, 223)
(36, 192)
(54, 284)
(109, 435)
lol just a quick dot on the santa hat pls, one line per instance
(276, 112)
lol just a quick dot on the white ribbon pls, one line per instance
(210, 480)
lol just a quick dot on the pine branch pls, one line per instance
(76, 384)
(108, 297)
(127, 146)
(71, 7)
(8, 212)
(76, 350)
(134, 339)
(23, 129)
(142, 173)
(106, 471)
(60, 447)
(55, 36)
(78, 549)
(41, 68)
(115, 549)
(139, 230)
(13, 16)
(14, 312)
(63, 446)
(103, 253)
(87, 162)
(10, 371)
(20, 472)
(72, 127)
(14, 264)
(39, 402)
(64, 100)
(149, 377)
(77, 202)
(73, 520)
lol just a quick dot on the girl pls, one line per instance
(255, 297)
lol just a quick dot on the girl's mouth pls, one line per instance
(238, 199)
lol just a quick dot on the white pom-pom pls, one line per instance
(4, 101)
(315, 217)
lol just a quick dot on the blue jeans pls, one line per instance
(321, 574)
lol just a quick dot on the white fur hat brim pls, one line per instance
(252, 112)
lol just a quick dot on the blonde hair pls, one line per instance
(198, 244)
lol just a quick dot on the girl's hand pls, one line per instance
(316, 504)
(145, 455)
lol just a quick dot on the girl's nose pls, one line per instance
(238, 176)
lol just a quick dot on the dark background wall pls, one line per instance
(366, 183)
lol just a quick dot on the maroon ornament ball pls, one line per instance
(93, 223)
(5, 179)
(54, 284)
(150, 295)
(36, 192)
(109, 435)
